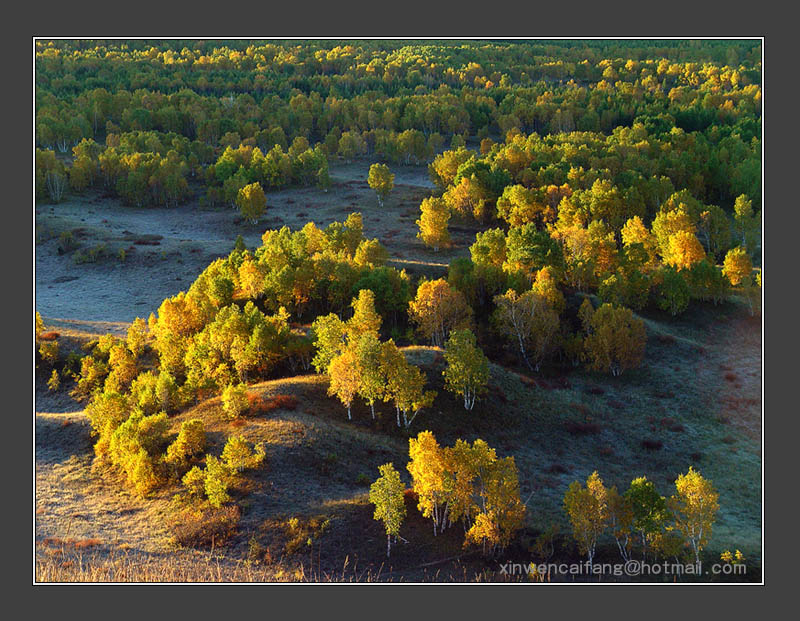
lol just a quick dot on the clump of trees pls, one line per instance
(359, 364)
(463, 483)
(663, 525)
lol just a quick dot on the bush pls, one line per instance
(191, 441)
(234, 400)
(91, 255)
(66, 242)
(205, 525)
(238, 455)
(48, 351)
(195, 482)
(54, 382)
(217, 479)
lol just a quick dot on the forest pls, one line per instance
(437, 290)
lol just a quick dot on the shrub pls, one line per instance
(48, 336)
(217, 479)
(280, 402)
(205, 525)
(234, 400)
(191, 441)
(238, 456)
(66, 242)
(54, 382)
(195, 482)
(49, 352)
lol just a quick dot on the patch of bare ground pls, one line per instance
(166, 248)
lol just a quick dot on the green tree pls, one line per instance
(387, 494)
(616, 339)
(467, 371)
(251, 201)
(649, 510)
(380, 180)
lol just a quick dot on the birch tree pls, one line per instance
(386, 493)
(694, 506)
(529, 322)
(467, 372)
(587, 508)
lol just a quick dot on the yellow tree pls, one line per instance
(405, 384)
(684, 250)
(439, 308)
(432, 223)
(345, 376)
(694, 505)
(251, 201)
(620, 520)
(501, 510)
(635, 232)
(365, 319)
(668, 223)
(428, 469)
(615, 340)
(380, 180)
(737, 266)
(587, 508)
(386, 493)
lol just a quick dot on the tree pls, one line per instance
(529, 250)
(694, 506)
(429, 475)
(500, 510)
(745, 222)
(668, 223)
(649, 510)
(329, 334)
(529, 322)
(437, 309)
(380, 180)
(137, 337)
(345, 379)
(737, 266)
(467, 372)
(616, 339)
(387, 494)
(432, 223)
(587, 508)
(372, 386)
(714, 228)
(251, 201)
(234, 400)
(405, 384)
(190, 442)
(238, 455)
(674, 292)
(684, 250)
(620, 520)
(218, 477)
(365, 319)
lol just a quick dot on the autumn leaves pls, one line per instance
(463, 483)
